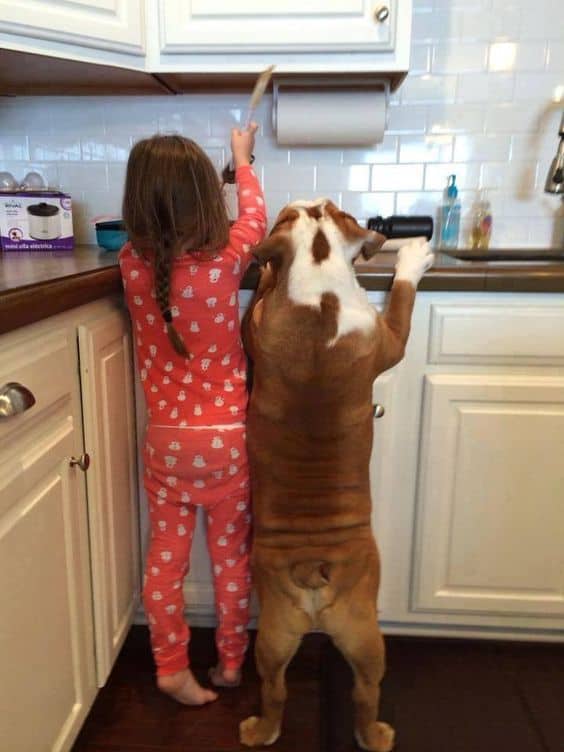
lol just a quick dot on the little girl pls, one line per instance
(181, 272)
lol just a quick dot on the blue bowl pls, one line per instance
(111, 234)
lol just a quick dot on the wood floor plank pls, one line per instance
(537, 672)
(440, 695)
(131, 715)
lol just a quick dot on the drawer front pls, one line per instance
(497, 335)
(45, 363)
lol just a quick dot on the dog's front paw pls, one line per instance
(258, 732)
(414, 258)
(376, 737)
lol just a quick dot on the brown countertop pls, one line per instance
(33, 287)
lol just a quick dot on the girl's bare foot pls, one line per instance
(225, 677)
(184, 687)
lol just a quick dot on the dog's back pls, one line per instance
(317, 345)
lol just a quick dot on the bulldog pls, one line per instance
(317, 344)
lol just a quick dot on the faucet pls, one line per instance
(555, 178)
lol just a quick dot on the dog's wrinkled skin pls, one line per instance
(317, 345)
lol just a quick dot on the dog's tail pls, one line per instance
(311, 574)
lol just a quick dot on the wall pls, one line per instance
(477, 103)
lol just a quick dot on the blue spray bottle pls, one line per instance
(450, 215)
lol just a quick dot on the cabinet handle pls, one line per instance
(381, 13)
(378, 411)
(14, 399)
(83, 462)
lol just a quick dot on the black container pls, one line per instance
(402, 227)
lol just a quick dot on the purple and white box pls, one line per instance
(36, 221)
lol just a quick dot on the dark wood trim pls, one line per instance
(30, 74)
(27, 74)
(26, 305)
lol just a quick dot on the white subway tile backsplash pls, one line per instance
(118, 146)
(467, 175)
(555, 57)
(366, 205)
(521, 176)
(533, 87)
(406, 118)
(431, 148)
(455, 118)
(274, 201)
(511, 118)
(481, 148)
(428, 88)
(517, 56)
(73, 176)
(289, 178)
(383, 153)
(477, 103)
(484, 23)
(462, 57)
(419, 202)
(436, 26)
(346, 178)
(404, 177)
(420, 62)
(536, 145)
(485, 87)
(14, 146)
(543, 20)
(54, 147)
(223, 119)
(322, 155)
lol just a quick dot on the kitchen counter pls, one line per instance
(33, 287)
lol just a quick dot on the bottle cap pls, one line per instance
(452, 190)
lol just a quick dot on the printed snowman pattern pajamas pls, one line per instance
(195, 452)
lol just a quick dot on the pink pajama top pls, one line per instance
(208, 389)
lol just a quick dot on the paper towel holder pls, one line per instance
(328, 83)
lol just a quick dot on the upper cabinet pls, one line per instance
(202, 37)
(97, 30)
(298, 36)
(277, 26)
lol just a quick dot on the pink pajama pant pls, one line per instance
(186, 468)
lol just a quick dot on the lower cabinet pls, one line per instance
(467, 470)
(67, 596)
(113, 505)
(490, 529)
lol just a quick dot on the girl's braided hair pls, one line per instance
(172, 203)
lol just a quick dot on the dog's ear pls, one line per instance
(271, 248)
(277, 243)
(374, 241)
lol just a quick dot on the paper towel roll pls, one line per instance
(330, 117)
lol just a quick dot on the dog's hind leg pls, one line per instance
(362, 645)
(277, 642)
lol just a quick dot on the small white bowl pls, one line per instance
(8, 182)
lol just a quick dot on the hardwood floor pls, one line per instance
(440, 695)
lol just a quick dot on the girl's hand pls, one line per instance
(242, 145)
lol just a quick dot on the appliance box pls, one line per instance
(36, 221)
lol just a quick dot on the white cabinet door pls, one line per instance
(490, 508)
(116, 25)
(383, 487)
(277, 25)
(109, 438)
(46, 636)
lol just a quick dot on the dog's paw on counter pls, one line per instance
(414, 259)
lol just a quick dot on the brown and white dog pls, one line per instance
(317, 345)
